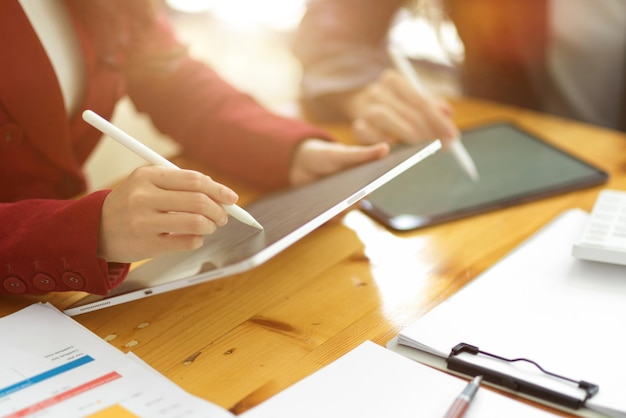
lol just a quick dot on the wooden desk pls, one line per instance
(239, 340)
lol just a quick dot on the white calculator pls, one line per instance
(604, 236)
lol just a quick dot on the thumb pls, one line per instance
(359, 154)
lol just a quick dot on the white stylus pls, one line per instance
(152, 157)
(457, 148)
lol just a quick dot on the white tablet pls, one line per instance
(286, 216)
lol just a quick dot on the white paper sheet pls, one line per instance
(52, 366)
(373, 382)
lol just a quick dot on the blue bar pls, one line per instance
(45, 375)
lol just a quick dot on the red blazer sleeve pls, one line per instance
(50, 245)
(221, 126)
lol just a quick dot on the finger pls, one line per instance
(390, 125)
(435, 121)
(151, 222)
(389, 111)
(179, 223)
(193, 203)
(369, 153)
(367, 134)
(431, 115)
(167, 243)
(148, 200)
(407, 104)
(188, 180)
(345, 156)
(445, 107)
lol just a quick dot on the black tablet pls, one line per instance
(514, 167)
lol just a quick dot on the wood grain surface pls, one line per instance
(237, 341)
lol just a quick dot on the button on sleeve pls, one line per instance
(44, 282)
(14, 285)
(73, 280)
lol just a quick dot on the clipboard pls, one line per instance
(456, 362)
(515, 167)
(537, 303)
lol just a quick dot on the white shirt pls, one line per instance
(51, 21)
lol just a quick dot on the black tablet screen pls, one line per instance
(514, 167)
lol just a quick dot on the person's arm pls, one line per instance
(342, 48)
(220, 125)
(347, 75)
(51, 245)
(224, 128)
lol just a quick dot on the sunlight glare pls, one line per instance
(275, 14)
(191, 6)
(399, 265)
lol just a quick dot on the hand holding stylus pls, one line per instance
(457, 148)
(152, 157)
(159, 209)
(395, 107)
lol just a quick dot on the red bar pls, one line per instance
(65, 395)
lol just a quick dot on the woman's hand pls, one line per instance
(392, 110)
(158, 210)
(315, 158)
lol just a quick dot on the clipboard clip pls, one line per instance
(516, 384)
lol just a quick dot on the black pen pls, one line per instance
(462, 402)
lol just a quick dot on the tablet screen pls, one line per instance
(514, 167)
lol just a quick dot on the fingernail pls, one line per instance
(232, 196)
(452, 133)
(223, 220)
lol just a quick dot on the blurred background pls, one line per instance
(248, 43)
